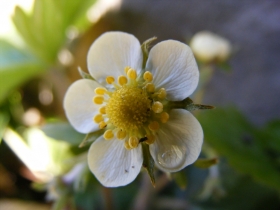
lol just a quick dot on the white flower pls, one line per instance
(133, 107)
(208, 47)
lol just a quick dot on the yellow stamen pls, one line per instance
(133, 142)
(121, 134)
(100, 91)
(132, 74)
(162, 93)
(126, 145)
(164, 117)
(154, 126)
(122, 80)
(102, 125)
(108, 134)
(157, 107)
(102, 110)
(110, 79)
(148, 76)
(150, 87)
(98, 118)
(98, 99)
(151, 139)
(126, 69)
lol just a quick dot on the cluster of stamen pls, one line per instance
(132, 110)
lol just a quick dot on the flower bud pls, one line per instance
(209, 47)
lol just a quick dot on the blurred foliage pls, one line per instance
(64, 132)
(246, 148)
(45, 34)
(45, 29)
(16, 67)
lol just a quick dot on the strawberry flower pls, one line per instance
(131, 104)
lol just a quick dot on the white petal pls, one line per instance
(112, 164)
(79, 107)
(111, 53)
(178, 142)
(174, 68)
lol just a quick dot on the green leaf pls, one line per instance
(205, 163)
(234, 137)
(16, 67)
(90, 137)
(272, 132)
(45, 29)
(148, 162)
(64, 132)
(180, 178)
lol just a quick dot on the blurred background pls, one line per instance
(237, 47)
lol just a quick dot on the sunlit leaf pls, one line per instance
(45, 29)
(16, 67)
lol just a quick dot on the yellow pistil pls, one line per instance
(98, 99)
(110, 79)
(127, 108)
(122, 80)
(108, 134)
(148, 76)
(157, 107)
(100, 91)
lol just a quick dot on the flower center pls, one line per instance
(128, 108)
(133, 110)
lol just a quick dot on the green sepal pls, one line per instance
(180, 178)
(188, 105)
(148, 162)
(145, 49)
(205, 162)
(90, 137)
(84, 75)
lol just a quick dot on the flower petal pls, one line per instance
(174, 68)
(79, 107)
(178, 142)
(112, 164)
(111, 53)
